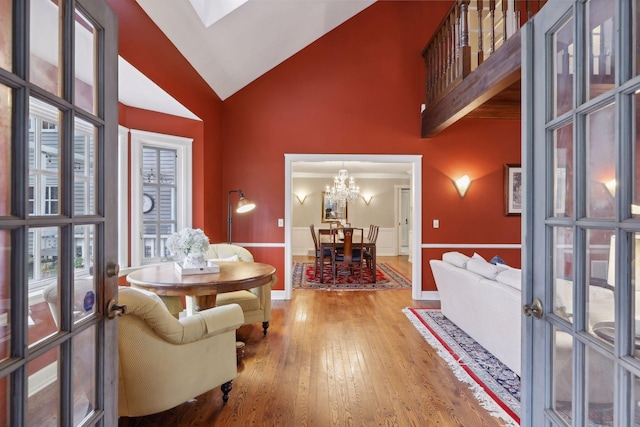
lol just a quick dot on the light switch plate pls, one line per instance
(436, 223)
(280, 222)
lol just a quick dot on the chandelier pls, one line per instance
(342, 192)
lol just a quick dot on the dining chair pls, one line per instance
(351, 254)
(368, 252)
(319, 257)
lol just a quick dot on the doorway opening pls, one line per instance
(411, 164)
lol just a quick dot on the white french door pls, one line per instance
(58, 212)
(581, 110)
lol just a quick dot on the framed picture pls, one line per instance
(513, 189)
(333, 212)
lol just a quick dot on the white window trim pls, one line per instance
(183, 147)
(123, 199)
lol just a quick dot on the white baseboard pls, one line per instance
(278, 295)
(44, 377)
(429, 296)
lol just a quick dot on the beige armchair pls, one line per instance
(164, 361)
(255, 303)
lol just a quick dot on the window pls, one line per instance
(159, 204)
(160, 190)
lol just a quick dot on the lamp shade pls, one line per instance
(245, 205)
(462, 184)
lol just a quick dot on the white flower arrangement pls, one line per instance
(187, 242)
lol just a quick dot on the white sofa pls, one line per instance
(488, 310)
(484, 300)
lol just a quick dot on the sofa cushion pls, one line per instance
(233, 258)
(247, 300)
(511, 277)
(456, 258)
(484, 269)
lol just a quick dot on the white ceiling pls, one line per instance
(251, 39)
(356, 169)
(245, 40)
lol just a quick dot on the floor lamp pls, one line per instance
(244, 205)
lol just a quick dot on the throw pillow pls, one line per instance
(497, 260)
(484, 269)
(455, 258)
(478, 256)
(233, 258)
(510, 277)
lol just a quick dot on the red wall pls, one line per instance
(356, 90)
(359, 89)
(145, 47)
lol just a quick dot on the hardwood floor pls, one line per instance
(337, 358)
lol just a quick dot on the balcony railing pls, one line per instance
(471, 32)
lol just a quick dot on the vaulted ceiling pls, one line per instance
(246, 39)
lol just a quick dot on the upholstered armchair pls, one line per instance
(164, 361)
(255, 303)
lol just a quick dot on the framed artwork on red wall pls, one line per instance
(513, 189)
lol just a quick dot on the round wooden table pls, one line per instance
(163, 279)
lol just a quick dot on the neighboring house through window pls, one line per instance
(160, 193)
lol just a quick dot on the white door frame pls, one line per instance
(416, 196)
(397, 217)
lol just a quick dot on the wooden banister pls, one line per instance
(449, 57)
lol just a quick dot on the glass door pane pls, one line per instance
(600, 166)
(85, 63)
(44, 55)
(564, 47)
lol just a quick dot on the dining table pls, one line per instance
(325, 242)
(164, 280)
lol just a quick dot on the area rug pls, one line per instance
(495, 386)
(386, 278)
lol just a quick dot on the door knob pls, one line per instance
(113, 309)
(534, 309)
(112, 269)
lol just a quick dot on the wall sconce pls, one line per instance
(462, 184)
(611, 187)
(301, 199)
(367, 198)
(244, 205)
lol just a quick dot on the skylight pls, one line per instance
(212, 11)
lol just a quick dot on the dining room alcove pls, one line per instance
(387, 193)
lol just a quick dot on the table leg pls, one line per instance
(203, 302)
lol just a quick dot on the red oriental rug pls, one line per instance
(496, 387)
(386, 278)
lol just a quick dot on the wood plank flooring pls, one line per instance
(336, 358)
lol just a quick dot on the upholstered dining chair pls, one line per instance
(256, 302)
(372, 238)
(351, 254)
(163, 361)
(320, 257)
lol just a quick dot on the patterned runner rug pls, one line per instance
(386, 278)
(496, 387)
